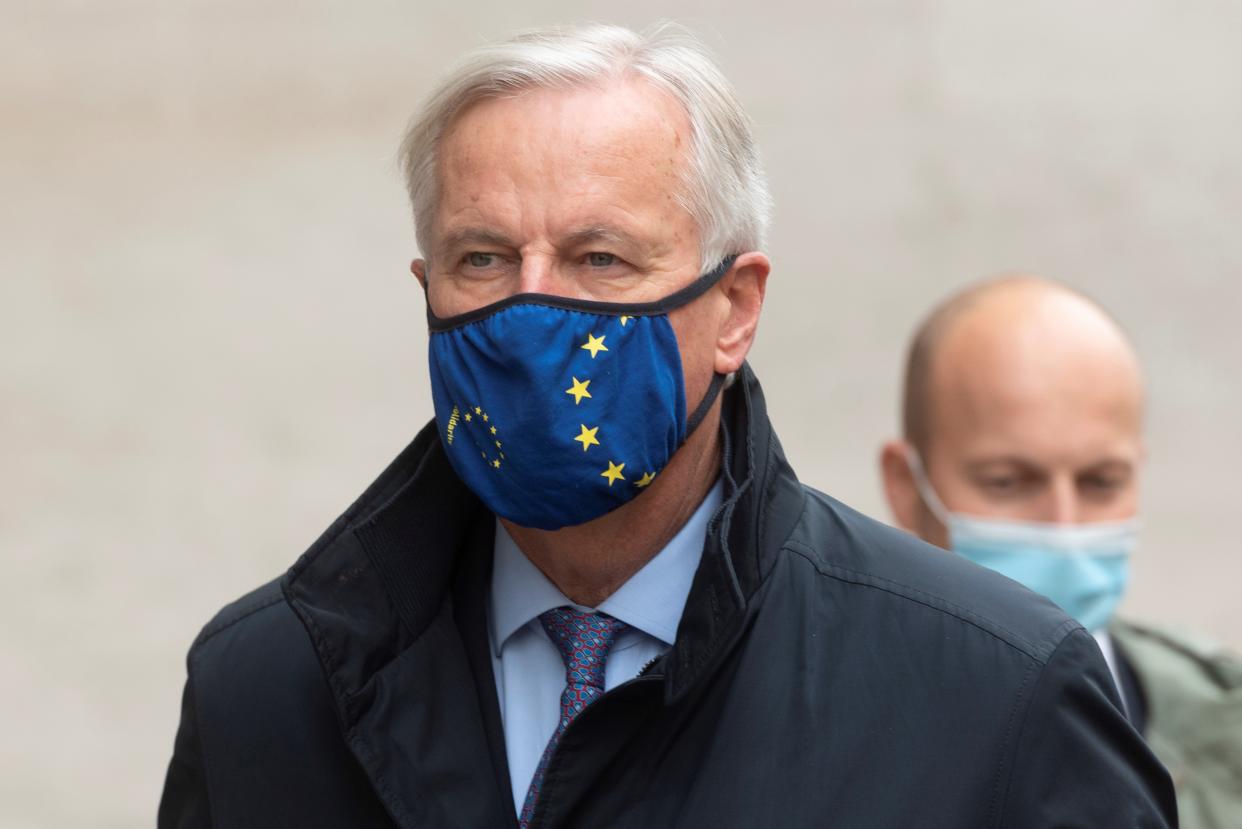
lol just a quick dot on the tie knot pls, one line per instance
(584, 640)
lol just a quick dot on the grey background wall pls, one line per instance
(211, 341)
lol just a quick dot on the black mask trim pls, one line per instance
(674, 300)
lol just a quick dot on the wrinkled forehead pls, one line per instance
(546, 169)
(625, 125)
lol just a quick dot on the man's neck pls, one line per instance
(589, 562)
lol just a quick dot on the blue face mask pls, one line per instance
(1083, 568)
(555, 411)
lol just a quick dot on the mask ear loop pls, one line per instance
(709, 397)
(926, 491)
(719, 381)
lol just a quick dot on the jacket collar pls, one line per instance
(377, 590)
(763, 502)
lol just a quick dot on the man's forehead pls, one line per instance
(976, 427)
(569, 166)
(625, 115)
(1037, 376)
(999, 389)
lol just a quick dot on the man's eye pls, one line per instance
(1101, 483)
(601, 260)
(1000, 485)
(480, 260)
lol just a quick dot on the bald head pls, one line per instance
(1024, 400)
(1020, 334)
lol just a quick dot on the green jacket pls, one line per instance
(1193, 694)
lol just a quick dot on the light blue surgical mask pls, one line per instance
(1083, 568)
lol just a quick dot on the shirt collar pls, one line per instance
(652, 600)
(1105, 641)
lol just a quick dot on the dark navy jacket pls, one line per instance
(828, 671)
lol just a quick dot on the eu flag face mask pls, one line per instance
(1083, 568)
(555, 411)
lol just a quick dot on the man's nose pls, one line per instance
(1064, 500)
(539, 274)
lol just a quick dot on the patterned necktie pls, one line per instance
(584, 640)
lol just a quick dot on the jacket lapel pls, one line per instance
(470, 593)
(763, 502)
(406, 663)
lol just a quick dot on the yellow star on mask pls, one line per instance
(644, 480)
(624, 320)
(493, 430)
(579, 389)
(469, 417)
(478, 410)
(587, 438)
(613, 473)
(496, 464)
(594, 345)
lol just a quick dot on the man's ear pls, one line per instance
(899, 486)
(419, 268)
(744, 288)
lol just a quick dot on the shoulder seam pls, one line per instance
(1000, 805)
(220, 625)
(1016, 641)
(1000, 786)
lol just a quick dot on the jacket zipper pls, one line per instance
(648, 666)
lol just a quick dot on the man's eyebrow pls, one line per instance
(981, 464)
(602, 233)
(1111, 463)
(485, 237)
(475, 236)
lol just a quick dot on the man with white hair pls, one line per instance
(592, 592)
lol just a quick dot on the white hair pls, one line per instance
(725, 190)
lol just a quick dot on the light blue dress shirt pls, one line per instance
(530, 673)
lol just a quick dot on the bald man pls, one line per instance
(1023, 451)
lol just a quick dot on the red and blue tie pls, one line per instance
(584, 640)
